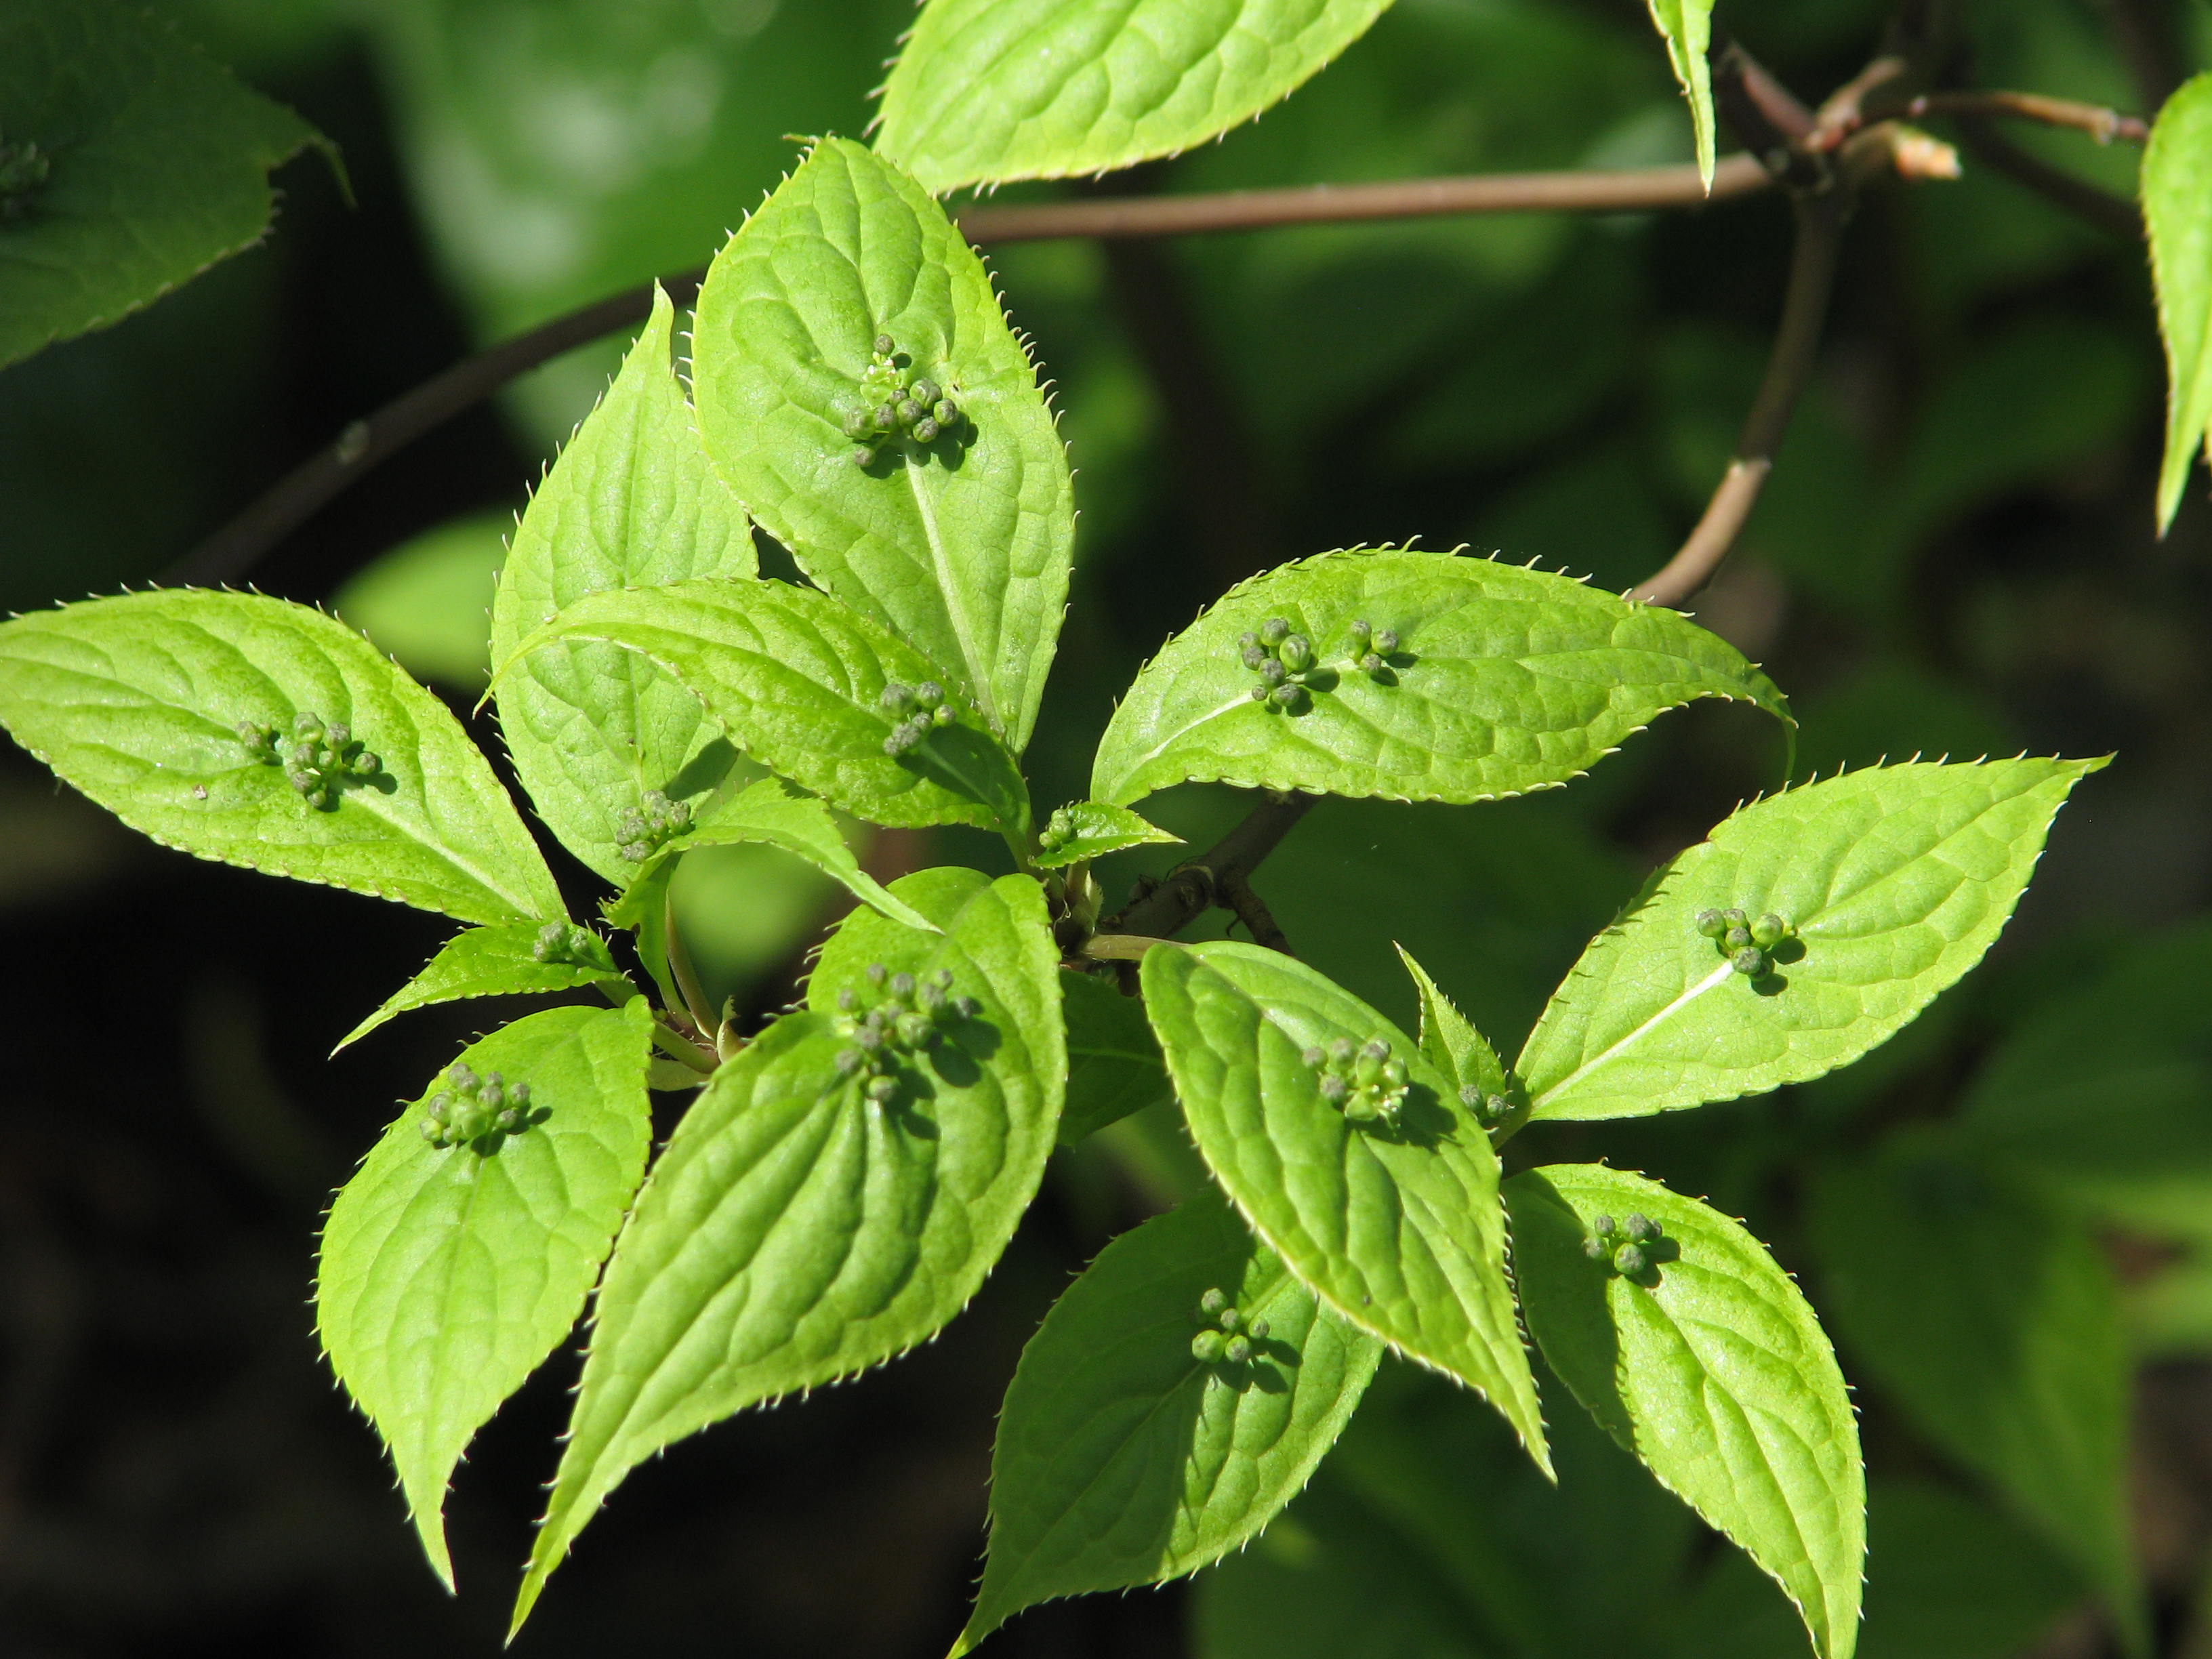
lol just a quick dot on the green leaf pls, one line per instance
(1122, 1459)
(1087, 830)
(2098, 1100)
(1994, 1326)
(1505, 680)
(129, 164)
(991, 90)
(2177, 215)
(1708, 1365)
(136, 701)
(1895, 880)
(1115, 1067)
(960, 546)
(1951, 1578)
(1686, 25)
(1396, 1223)
(502, 960)
(797, 680)
(632, 502)
(1455, 1047)
(449, 1273)
(795, 1232)
(769, 812)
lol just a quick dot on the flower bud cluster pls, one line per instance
(893, 405)
(1364, 1084)
(317, 761)
(1748, 944)
(923, 707)
(470, 1107)
(1059, 831)
(1225, 1334)
(650, 825)
(1372, 648)
(564, 945)
(1490, 1110)
(1285, 662)
(1625, 1248)
(912, 1016)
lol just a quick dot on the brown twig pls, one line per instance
(2099, 123)
(1196, 885)
(2100, 207)
(239, 545)
(1248, 908)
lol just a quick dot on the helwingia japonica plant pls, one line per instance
(841, 1180)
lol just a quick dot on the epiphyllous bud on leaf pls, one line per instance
(1341, 1049)
(1362, 631)
(367, 765)
(1237, 1350)
(1230, 1319)
(1750, 961)
(1314, 1056)
(1274, 630)
(1395, 1076)
(1386, 641)
(1630, 1261)
(908, 411)
(1736, 918)
(856, 423)
(925, 430)
(881, 1090)
(1213, 1301)
(885, 345)
(1208, 1347)
(306, 725)
(947, 412)
(1371, 663)
(1254, 656)
(1639, 1229)
(915, 1029)
(1258, 1328)
(897, 696)
(850, 1060)
(1769, 930)
(1261, 694)
(1298, 653)
(886, 417)
(863, 457)
(923, 391)
(902, 985)
(1336, 1091)
(943, 715)
(1736, 939)
(1272, 672)
(1604, 1227)
(1288, 697)
(1711, 923)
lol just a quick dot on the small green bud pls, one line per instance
(1362, 631)
(856, 423)
(1736, 918)
(1769, 930)
(1237, 1350)
(338, 736)
(947, 412)
(886, 417)
(943, 715)
(1314, 1056)
(923, 391)
(1230, 1319)
(1736, 939)
(1387, 642)
(902, 985)
(1247, 640)
(931, 998)
(1274, 630)
(1749, 961)
(1395, 1076)
(916, 1029)
(1341, 1049)
(1604, 1227)
(367, 765)
(1594, 1249)
(908, 411)
(881, 1090)
(848, 999)
(1630, 1261)
(966, 1007)
(1258, 1328)
(1711, 923)
(876, 973)
(1639, 1229)
(1298, 653)
(1371, 663)
(1496, 1107)
(850, 1060)
(1288, 697)
(431, 1131)
(1272, 672)
(1261, 694)
(1334, 1089)
(863, 457)
(1213, 1301)
(868, 1039)
(1376, 1048)
(897, 696)
(1471, 1097)
(928, 695)
(1254, 656)
(1361, 1107)
(1367, 1071)
(925, 430)
(1208, 1347)
(885, 345)
(306, 725)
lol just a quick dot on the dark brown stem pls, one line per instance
(1796, 348)
(2100, 207)
(1195, 886)
(2099, 123)
(367, 444)
(1251, 910)
(239, 545)
(1630, 190)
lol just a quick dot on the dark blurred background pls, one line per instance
(1956, 556)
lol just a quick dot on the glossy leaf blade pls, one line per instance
(129, 164)
(447, 1275)
(1399, 1228)
(768, 811)
(793, 1232)
(1115, 1067)
(1505, 680)
(1686, 26)
(961, 545)
(992, 90)
(1086, 830)
(1122, 1459)
(136, 701)
(1994, 1325)
(1452, 1044)
(2178, 217)
(1896, 880)
(502, 960)
(797, 680)
(1712, 1368)
(632, 502)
